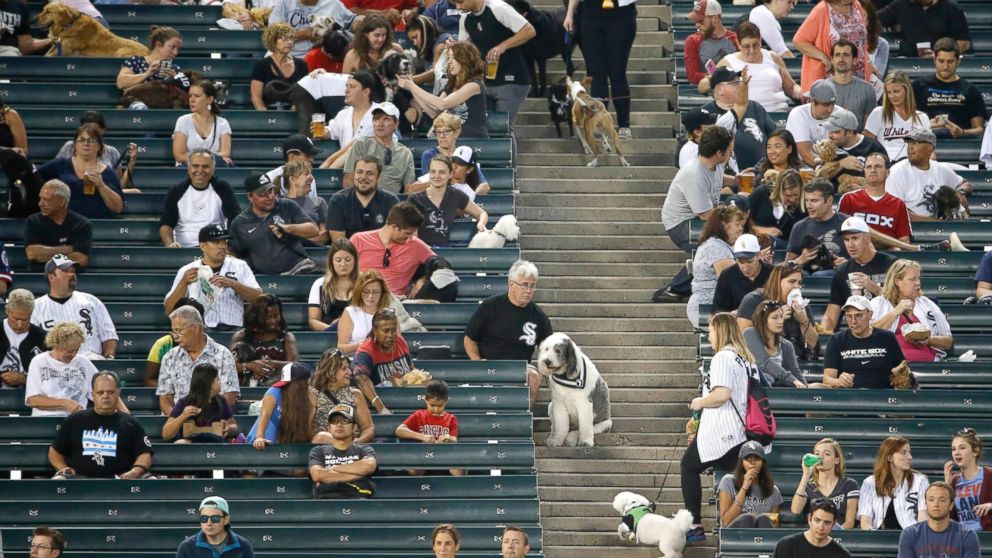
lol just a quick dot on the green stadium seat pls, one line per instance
(153, 287)
(348, 513)
(923, 431)
(934, 263)
(953, 289)
(244, 149)
(942, 375)
(482, 372)
(962, 344)
(859, 456)
(506, 425)
(919, 403)
(146, 15)
(972, 318)
(474, 486)
(141, 400)
(185, 457)
(741, 543)
(168, 260)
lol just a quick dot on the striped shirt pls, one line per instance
(720, 428)
(80, 308)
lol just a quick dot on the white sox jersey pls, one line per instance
(222, 305)
(81, 308)
(720, 428)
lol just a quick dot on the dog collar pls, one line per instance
(579, 382)
(499, 234)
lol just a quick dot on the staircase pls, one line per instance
(596, 236)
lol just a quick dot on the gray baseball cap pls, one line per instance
(823, 91)
(840, 119)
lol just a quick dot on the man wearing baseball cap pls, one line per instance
(805, 122)
(861, 356)
(342, 469)
(917, 178)
(863, 272)
(396, 158)
(748, 120)
(268, 234)
(852, 148)
(711, 41)
(217, 280)
(296, 147)
(738, 280)
(215, 539)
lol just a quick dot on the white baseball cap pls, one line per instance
(746, 246)
(388, 108)
(859, 302)
(854, 225)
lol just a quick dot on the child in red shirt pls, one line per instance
(432, 425)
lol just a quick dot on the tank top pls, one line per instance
(766, 81)
(7, 136)
(362, 322)
(473, 114)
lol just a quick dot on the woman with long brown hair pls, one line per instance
(715, 254)
(893, 496)
(972, 482)
(331, 294)
(331, 384)
(287, 410)
(774, 355)
(891, 122)
(465, 93)
(720, 432)
(371, 43)
(799, 327)
(826, 479)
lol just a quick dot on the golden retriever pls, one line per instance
(81, 35)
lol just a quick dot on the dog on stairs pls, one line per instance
(640, 524)
(589, 114)
(579, 395)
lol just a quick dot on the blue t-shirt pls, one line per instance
(985, 269)
(272, 427)
(90, 206)
(966, 497)
(445, 15)
(920, 541)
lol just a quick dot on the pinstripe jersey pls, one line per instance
(80, 308)
(222, 305)
(720, 428)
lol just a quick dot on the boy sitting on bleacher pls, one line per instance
(432, 425)
(342, 469)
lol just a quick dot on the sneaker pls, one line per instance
(696, 534)
(662, 296)
(624, 133)
(956, 244)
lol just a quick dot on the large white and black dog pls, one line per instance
(580, 398)
(641, 525)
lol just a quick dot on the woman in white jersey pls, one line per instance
(721, 431)
(890, 122)
(892, 498)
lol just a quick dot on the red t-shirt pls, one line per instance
(381, 5)
(316, 58)
(424, 422)
(888, 215)
(404, 259)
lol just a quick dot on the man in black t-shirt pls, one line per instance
(510, 326)
(736, 281)
(814, 542)
(499, 31)
(955, 106)
(852, 150)
(822, 227)
(15, 30)
(751, 130)
(926, 21)
(342, 468)
(101, 442)
(55, 229)
(861, 356)
(865, 270)
(364, 206)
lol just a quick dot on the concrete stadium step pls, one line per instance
(627, 425)
(592, 200)
(567, 145)
(595, 311)
(613, 324)
(633, 339)
(616, 296)
(539, 116)
(657, 352)
(594, 242)
(641, 483)
(547, 131)
(639, 395)
(569, 186)
(598, 174)
(585, 494)
(601, 228)
(592, 282)
(622, 440)
(540, 104)
(644, 551)
(621, 376)
(626, 269)
(600, 256)
(606, 159)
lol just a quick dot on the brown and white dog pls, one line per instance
(589, 114)
(81, 35)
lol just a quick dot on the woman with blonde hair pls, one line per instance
(297, 178)
(272, 77)
(891, 122)
(331, 294)
(893, 496)
(826, 479)
(776, 208)
(369, 295)
(331, 384)
(465, 93)
(720, 432)
(902, 304)
(372, 41)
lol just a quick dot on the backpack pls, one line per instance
(758, 420)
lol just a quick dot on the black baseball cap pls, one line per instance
(213, 232)
(343, 409)
(301, 143)
(723, 75)
(256, 182)
(696, 118)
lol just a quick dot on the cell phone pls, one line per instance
(942, 119)
(165, 65)
(710, 66)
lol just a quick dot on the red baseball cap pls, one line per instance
(704, 8)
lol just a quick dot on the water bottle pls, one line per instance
(810, 460)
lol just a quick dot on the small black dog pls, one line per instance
(946, 205)
(548, 43)
(560, 107)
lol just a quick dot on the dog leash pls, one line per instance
(664, 478)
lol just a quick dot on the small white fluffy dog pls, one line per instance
(580, 398)
(646, 527)
(505, 230)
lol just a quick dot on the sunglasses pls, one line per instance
(211, 518)
(385, 257)
(773, 304)
(388, 159)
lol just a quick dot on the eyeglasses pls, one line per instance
(211, 518)
(443, 132)
(388, 159)
(371, 293)
(40, 547)
(385, 257)
(966, 431)
(87, 140)
(526, 286)
(180, 330)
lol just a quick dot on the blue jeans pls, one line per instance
(682, 282)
